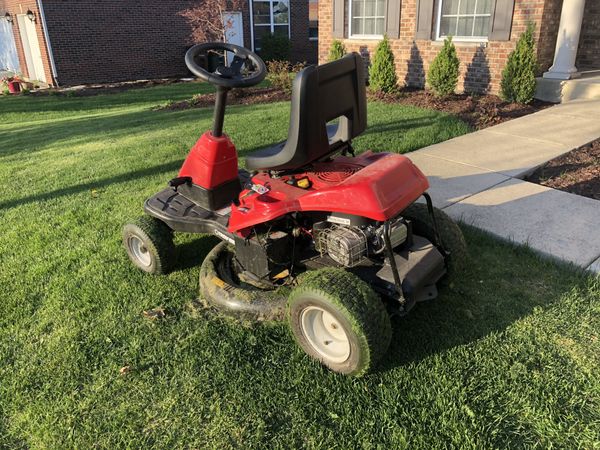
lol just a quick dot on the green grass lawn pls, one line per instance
(508, 356)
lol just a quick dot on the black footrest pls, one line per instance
(181, 214)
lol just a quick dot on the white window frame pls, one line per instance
(364, 36)
(459, 38)
(271, 21)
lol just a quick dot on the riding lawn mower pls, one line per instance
(334, 243)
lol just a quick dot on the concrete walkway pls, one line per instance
(476, 178)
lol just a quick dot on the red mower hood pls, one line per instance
(379, 188)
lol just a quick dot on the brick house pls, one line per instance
(69, 42)
(484, 32)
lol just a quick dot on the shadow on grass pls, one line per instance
(401, 125)
(89, 129)
(191, 254)
(107, 127)
(104, 100)
(78, 188)
(487, 298)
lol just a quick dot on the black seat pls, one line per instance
(320, 94)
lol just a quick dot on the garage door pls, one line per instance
(8, 52)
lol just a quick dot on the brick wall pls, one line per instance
(118, 40)
(115, 40)
(481, 64)
(588, 54)
(16, 7)
(303, 49)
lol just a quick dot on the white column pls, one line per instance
(567, 41)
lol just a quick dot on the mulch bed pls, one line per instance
(236, 97)
(577, 172)
(479, 111)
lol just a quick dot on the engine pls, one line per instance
(348, 245)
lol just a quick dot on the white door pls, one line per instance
(234, 30)
(8, 51)
(31, 48)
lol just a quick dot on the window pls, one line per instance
(270, 17)
(464, 19)
(367, 18)
(313, 20)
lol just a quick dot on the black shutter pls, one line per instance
(338, 18)
(501, 20)
(392, 26)
(424, 19)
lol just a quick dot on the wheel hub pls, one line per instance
(325, 334)
(139, 250)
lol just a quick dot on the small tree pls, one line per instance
(518, 76)
(337, 50)
(207, 20)
(382, 76)
(442, 77)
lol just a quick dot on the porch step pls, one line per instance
(562, 91)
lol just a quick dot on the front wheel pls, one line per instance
(149, 245)
(337, 319)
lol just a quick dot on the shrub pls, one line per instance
(442, 77)
(337, 50)
(518, 76)
(382, 76)
(281, 74)
(275, 47)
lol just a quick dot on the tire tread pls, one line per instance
(159, 239)
(362, 306)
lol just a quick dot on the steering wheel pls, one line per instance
(232, 75)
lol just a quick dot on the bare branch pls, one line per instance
(206, 20)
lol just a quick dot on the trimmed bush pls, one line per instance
(382, 76)
(275, 47)
(518, 76)
(281, 74)
(442, 77)
(337, 50)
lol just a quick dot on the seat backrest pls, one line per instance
(321, 94)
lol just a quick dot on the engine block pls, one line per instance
(349, 245)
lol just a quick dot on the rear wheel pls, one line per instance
(337, 319)
(450, 234)
(149, 245)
